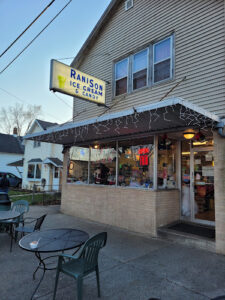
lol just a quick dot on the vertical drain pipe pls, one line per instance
(220, 127)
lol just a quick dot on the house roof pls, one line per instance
(17, 163)
(11, 144)
(54, 161)
(35, 160)
(45, 125)
(173, 114)
(93, 35)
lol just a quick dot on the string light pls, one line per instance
(137, 122)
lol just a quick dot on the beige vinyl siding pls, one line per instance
(199, 30)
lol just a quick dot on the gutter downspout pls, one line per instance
(220, 127)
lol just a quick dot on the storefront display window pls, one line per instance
(78, 165)
(136, 163)
(166, 163)
(103, 165)
(132, 166)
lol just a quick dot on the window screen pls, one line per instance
(140, 66)
(162, 60)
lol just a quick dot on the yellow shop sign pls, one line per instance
(67, 80)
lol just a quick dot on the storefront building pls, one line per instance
(156, 154)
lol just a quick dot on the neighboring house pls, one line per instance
(42, 160)
(11, 152)
(153, 155)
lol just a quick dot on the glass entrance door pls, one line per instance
(203, 185)
(197, 177)
(186, 205)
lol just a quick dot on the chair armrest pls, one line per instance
(31, 218)
(61, 256)
(61, 259)
(28, 222)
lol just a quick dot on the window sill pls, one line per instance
(120, 97)
(169, 80)
(121, 187)
(153, 85)
(110, 186)
(34, 179)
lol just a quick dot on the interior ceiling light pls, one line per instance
(189, 134)
(199, 143)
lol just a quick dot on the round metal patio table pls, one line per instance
(52, 240)
(8, 217)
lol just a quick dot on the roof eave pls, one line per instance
(138, 109)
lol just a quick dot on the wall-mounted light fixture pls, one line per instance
(189, 134)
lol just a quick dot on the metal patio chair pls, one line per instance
(84, 264)
(23, 229)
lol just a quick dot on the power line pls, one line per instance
(27, 28)
(72, 119)
(23, 101)
(63, 101)
(36, 37)
(94, 55)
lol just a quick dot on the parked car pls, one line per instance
(5, 202)
(14, 181)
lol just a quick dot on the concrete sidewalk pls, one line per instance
(131, 266)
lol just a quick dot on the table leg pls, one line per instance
(43, 266)
(41, 262)
(11, 235)
(40, 266)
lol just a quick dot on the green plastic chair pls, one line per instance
(21, 206)
(84, 264)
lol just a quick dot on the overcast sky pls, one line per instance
(28, 77)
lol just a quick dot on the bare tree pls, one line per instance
(19, 117)
(5, 122)
(32, 113)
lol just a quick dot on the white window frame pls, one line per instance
(35, 169)
(132, 73)
(115, 80)
(150, 67)
(126, 4)
(169, 57)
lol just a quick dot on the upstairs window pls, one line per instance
(121, 77)
(37, 144)
(162, 56)
(145, 68)
(139, 69)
